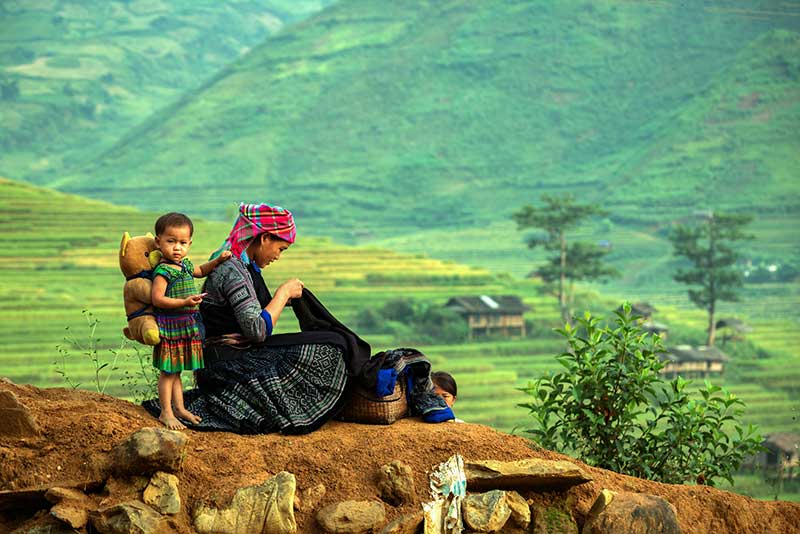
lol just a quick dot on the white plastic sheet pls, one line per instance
(448, 488)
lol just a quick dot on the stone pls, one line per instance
(405, 524)
(352, 517)
(131, 517)
(396, 483)
(267, 508)
(16, 417)
(530, 473)
(631, 513)
(44, 525)
(485, 512)
(71, 506)
(148, 450)
(162, 493)
(552, 520)
(520, 511)
(311, 497)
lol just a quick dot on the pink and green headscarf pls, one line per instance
(254, 220)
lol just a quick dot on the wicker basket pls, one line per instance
(365, 407)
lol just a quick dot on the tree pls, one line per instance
(573, 261)
(708, 246)
(611, 408)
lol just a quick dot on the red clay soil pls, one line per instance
(80, 428)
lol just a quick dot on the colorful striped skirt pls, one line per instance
(181, 346)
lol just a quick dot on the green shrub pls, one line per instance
(612, 409)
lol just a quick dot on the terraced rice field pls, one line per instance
(58, 256)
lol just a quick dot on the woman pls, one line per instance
(255, 382)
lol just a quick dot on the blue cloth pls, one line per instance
(267, 320)
(387, 378)
(438, 416)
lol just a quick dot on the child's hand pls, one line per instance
(194, 300)
(224, 255)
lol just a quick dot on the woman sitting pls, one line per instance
(250, 385)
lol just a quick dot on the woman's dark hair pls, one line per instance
(446, 382)
(174, 219)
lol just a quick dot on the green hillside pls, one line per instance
(460, 111)
(75, 75)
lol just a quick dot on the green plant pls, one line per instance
(143, 383)
(611, 408)
(90, 349)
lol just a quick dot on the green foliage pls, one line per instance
(708, 246)
(88, 348)
(142, 383)
(572, 261)
(611, 408)
(413, 322)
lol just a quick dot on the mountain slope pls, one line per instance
(75, 75)
(457, 111)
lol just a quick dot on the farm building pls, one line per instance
(694, 362)
(782, 455)
(486, 315)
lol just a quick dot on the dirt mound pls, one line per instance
(78, 429)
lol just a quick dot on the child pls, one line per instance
(445, 386)
(179, 324)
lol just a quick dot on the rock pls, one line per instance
(267, 508)
(148, 450)
(485, 512)
(43, 525)
(523, 474)
(396, 483)
(71, 506)
(631, 513)
(311, 498)
(132, 517)
(162, 493)
(352, 517)
(16, 417)
(405, 524)
(552, 520)
(520, 511)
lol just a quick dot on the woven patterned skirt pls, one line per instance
(181, 346)
(292, 389)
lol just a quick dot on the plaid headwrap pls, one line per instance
(254, 220)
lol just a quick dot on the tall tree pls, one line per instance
(572, 261)
(708, 245)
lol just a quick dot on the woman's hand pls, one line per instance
(293, 289)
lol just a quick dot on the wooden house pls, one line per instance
(782, 455)
(488, 315)
(694, 362)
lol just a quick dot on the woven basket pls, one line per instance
(365, 407)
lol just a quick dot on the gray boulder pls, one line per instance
(530, 473)
(631, 513)
(16, 417)
(149, 450)
(132, 517)
(162, 493)
(396, 483)
(267, 509)
(352, 517)
(485, 512)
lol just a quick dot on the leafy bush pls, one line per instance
(612, 409)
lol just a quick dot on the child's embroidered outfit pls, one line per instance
(181, 347)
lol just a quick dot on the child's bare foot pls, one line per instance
(171, 422)
(188, 416)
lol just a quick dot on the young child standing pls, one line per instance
(176, 302)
